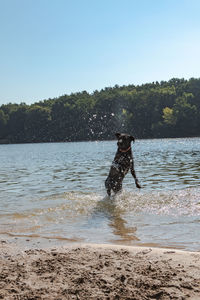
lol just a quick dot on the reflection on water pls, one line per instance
(56, 191)
(117, 223)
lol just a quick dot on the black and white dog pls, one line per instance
(121, 164)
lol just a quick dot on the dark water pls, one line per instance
(56, 192)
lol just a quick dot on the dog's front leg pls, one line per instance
(134, 175)
(108, 186)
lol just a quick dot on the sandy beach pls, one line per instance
(98, 272)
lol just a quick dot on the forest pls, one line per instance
(152, 110)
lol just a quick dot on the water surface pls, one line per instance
(55, 192)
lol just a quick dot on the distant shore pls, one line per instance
(98, 272)
(7, 142)
(164, 109)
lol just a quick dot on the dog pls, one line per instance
(121, 164)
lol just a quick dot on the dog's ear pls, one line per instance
(132, 138)
(117, 134)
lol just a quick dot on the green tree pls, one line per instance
(185, 115)
(3, 123)
(37, 124)
(169, 116)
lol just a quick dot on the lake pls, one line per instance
(53, 194)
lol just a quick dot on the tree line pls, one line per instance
(153, 110)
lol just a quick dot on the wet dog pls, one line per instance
(122, 163)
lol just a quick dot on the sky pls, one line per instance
(49, 48)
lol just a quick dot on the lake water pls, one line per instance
(54, 193)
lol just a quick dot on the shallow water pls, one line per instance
(56, 192)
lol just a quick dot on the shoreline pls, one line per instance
(3, 142)
(27, 242)
(98, 271)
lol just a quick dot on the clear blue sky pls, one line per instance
(53, 47)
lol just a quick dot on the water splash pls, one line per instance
(174, 203)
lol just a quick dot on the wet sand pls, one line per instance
(98, 272)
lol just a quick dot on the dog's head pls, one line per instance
(124, 141)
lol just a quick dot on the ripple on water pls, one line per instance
(58, 190)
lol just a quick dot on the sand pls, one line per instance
(98, 272)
